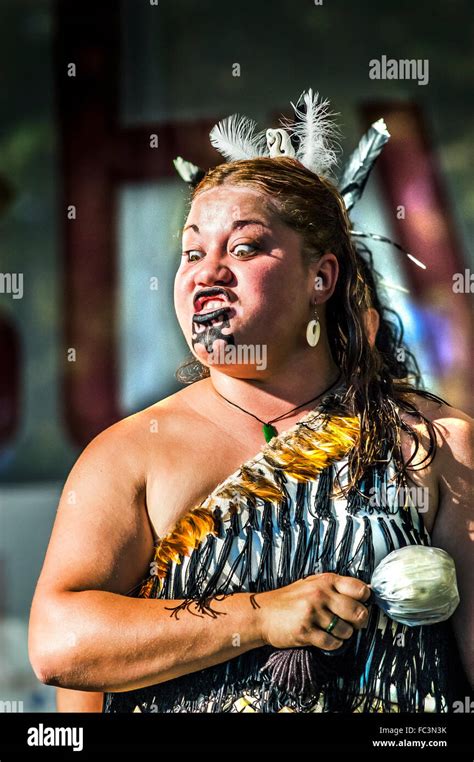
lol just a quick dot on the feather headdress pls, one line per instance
(313, 129)
(312, 138)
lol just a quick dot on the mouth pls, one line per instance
(209, 302)
(212, 305)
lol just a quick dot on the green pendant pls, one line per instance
(269, 431)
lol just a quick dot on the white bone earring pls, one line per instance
(313, 329)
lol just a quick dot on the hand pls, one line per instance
(298, 614)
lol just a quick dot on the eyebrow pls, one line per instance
(235, 224)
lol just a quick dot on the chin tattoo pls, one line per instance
(206, 332)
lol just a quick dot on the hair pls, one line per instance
(378, 380)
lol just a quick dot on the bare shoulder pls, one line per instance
(131, 440)
(102, 538)
(454, 428)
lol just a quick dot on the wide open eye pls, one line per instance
(191, 252)
(240, 251)
(244, 253)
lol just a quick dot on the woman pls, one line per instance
(274, 546)
(389, 339)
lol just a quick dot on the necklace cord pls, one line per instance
(303, 404)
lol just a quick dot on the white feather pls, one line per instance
(235, 138)
(317, 133)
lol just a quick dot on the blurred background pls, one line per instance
(96, 99)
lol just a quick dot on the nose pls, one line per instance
(211, 271)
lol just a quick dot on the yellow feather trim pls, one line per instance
(311, 451)
(302, 455)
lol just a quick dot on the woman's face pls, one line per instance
(234, 244)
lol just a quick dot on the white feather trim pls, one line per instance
(316, 132)
(235, 138)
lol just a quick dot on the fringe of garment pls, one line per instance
(254, 510)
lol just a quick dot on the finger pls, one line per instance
(352, 587)
(342, 630)
(324, 640)
(348, 609)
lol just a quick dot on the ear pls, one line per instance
(371, 320)
(324, 274)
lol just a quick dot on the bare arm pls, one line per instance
(78, 701)
(85, 634)
(454, 526)
(131, 643)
